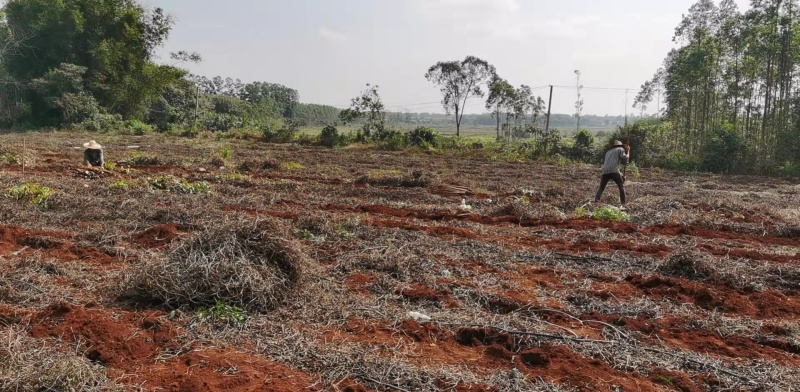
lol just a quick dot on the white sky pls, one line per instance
(329, 49)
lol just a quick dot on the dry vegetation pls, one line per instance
(300, 267)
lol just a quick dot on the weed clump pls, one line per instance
(142, 159)
(179, 185)
(28, 365)
(35, 194)
(612, 214)
(10, 159)
(250, 265)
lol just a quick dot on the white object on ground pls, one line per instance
(419, 316)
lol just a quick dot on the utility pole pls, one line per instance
(626, 108)
(549, 106)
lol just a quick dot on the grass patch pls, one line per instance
(233, 177)
(612, 214)
(120, 185)
(292, 166)
(35, 194)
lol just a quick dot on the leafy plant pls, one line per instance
(140, 158)
(36, 194)
(120, 185)
(422, 137)
(233, 177)
(110, 166)
(613, 214)
(10, 158)
(225, 313)
(226, 152)
(330, 137)
(171, 184)
(292, 166)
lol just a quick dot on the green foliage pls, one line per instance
(9, 158)
(368, 108)
(609, 213)
(60, 97)
(284, 134)
(789, 170)
(723, 152)
(221, 312)
(138, 128)
(35, 194)
(458, 81)
(120, 185)
(110, 166)
(226, 152)
(583, 147)
(632, 171)
(233, 177)
(103, 123)
(106, 48)
(171, 184)
(292, 166)
(422, 137)
(330, 137)
(142, 159)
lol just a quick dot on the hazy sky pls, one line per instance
(329, 49)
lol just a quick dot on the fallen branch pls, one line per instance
(372, 380)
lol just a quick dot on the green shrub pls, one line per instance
(142, 159)
(120, 185)
(36, 194)
(789, 170)
(226, 152)
(10, 158)
(723, 153)
(137, 127)
(292, 166)
(103, 123)
(330, 137)
(613, 214)
(224, 313)
(110, 166)
(422, 137)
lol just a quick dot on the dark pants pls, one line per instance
(618, 180)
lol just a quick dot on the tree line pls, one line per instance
(732, 102)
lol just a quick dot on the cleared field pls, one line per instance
(113, 282)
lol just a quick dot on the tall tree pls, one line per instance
(115, 40)
(458, 81)
(501, 94)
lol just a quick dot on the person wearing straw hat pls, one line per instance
(619, 153)
(93, 155)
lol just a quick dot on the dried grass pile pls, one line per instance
(29, 365)
(253, 265)
(694, 266)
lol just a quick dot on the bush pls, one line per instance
(422, 137)
(103, 123)
(142, 159)
(36, 194)
(789, 170)
(329, 137)
(612, 214)
(138, 128)
(723, 152)
(118, 186)
(583, 147)
(283, 134)
(10, 158)
(249, 265)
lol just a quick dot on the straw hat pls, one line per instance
(618, 143)
(92, 145)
